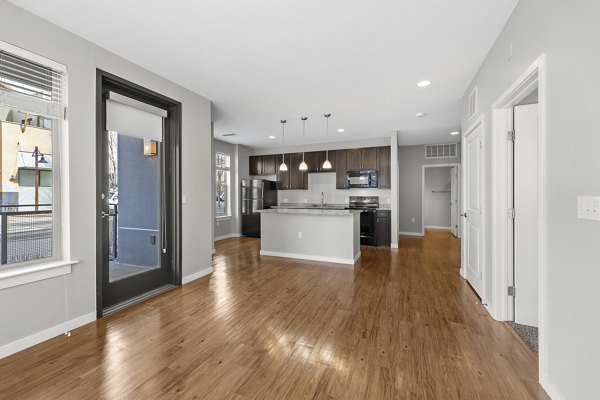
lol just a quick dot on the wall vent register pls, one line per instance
(441, 150)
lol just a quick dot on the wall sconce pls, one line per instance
(150, 147)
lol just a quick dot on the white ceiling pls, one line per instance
(263, 60)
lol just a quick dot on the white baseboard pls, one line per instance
(337, 260)
(196, 275)
(438, 227)
(394, 245)
(551, 389)
(231, 235)
(39, 337)
(411, 234)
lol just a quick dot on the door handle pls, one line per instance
(104, 214)
(463, 215)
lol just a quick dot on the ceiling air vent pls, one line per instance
(473, 103)
(440, 150)
(229, 134)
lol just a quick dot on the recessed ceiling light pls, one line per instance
(454, 133)
(423, 84)
(341, 130)
(271, 137)
(419, 114)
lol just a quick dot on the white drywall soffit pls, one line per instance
(264, 64)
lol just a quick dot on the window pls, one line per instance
(223, 207)
(32, 108)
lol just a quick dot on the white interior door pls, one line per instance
(473, 209)
(454, 200)
(525, 197)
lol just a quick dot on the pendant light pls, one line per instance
(303, 166)
(327, 163)
(283, 167)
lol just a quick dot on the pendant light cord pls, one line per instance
(303, 130)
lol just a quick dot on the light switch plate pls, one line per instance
(588, 207)
(183, 199)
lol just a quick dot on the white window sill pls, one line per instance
(33, 273)
(223, 217)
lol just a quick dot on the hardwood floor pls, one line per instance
(401, 325)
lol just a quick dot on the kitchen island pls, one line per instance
(320, 234)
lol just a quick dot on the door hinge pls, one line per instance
(512, 213)
(511, 291)
(511, 136)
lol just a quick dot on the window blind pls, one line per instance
(30, 86)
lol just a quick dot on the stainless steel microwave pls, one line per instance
(362, 179)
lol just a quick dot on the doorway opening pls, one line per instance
(518, 207)
(441, 197)
(138, 190)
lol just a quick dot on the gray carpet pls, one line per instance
(529, 334)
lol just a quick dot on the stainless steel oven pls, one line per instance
(362, 179)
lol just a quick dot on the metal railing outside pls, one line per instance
(25, 233)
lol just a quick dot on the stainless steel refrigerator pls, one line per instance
(257, 194)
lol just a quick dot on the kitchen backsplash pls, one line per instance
(325, 182)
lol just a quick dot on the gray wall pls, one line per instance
(410, 187)
(224, 227)
(437, 197)
(569, 33)
(139, 204)
(44, 304)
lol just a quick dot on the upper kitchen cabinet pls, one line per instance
(262, 165)
(384, 167)
(353, 160)
(255, 165)
(368, 157)
(298, 179)
(339, 159)
(283, 177)
(269, 165)
(314, 160)
(365, 158)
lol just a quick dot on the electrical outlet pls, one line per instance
(389, 201)
(412, 220)
(588, 207)
(299, 235)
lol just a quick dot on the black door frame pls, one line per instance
(107, 81)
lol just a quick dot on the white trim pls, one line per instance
(310, 257)
(196, 275)
(33, 273)
(449, 228)
(533, 77)
(394, 245)
(551, 389)
(228, 236)
(457, 165)
(411, 233)
(479, 121)
(42, 336)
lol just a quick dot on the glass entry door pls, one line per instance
(136, 258)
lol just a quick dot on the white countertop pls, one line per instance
(309, 211)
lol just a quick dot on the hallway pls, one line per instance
(401, 325)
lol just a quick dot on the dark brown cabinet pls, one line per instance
(353, 160)
(372, 158)
(340, 163)
(314, 160)
(283, 177)
(255, 167)
(262, 165)
(384, 167)
(368, 157)
(383, 228)
(365, 158)
(269, 165)
(298, 179)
